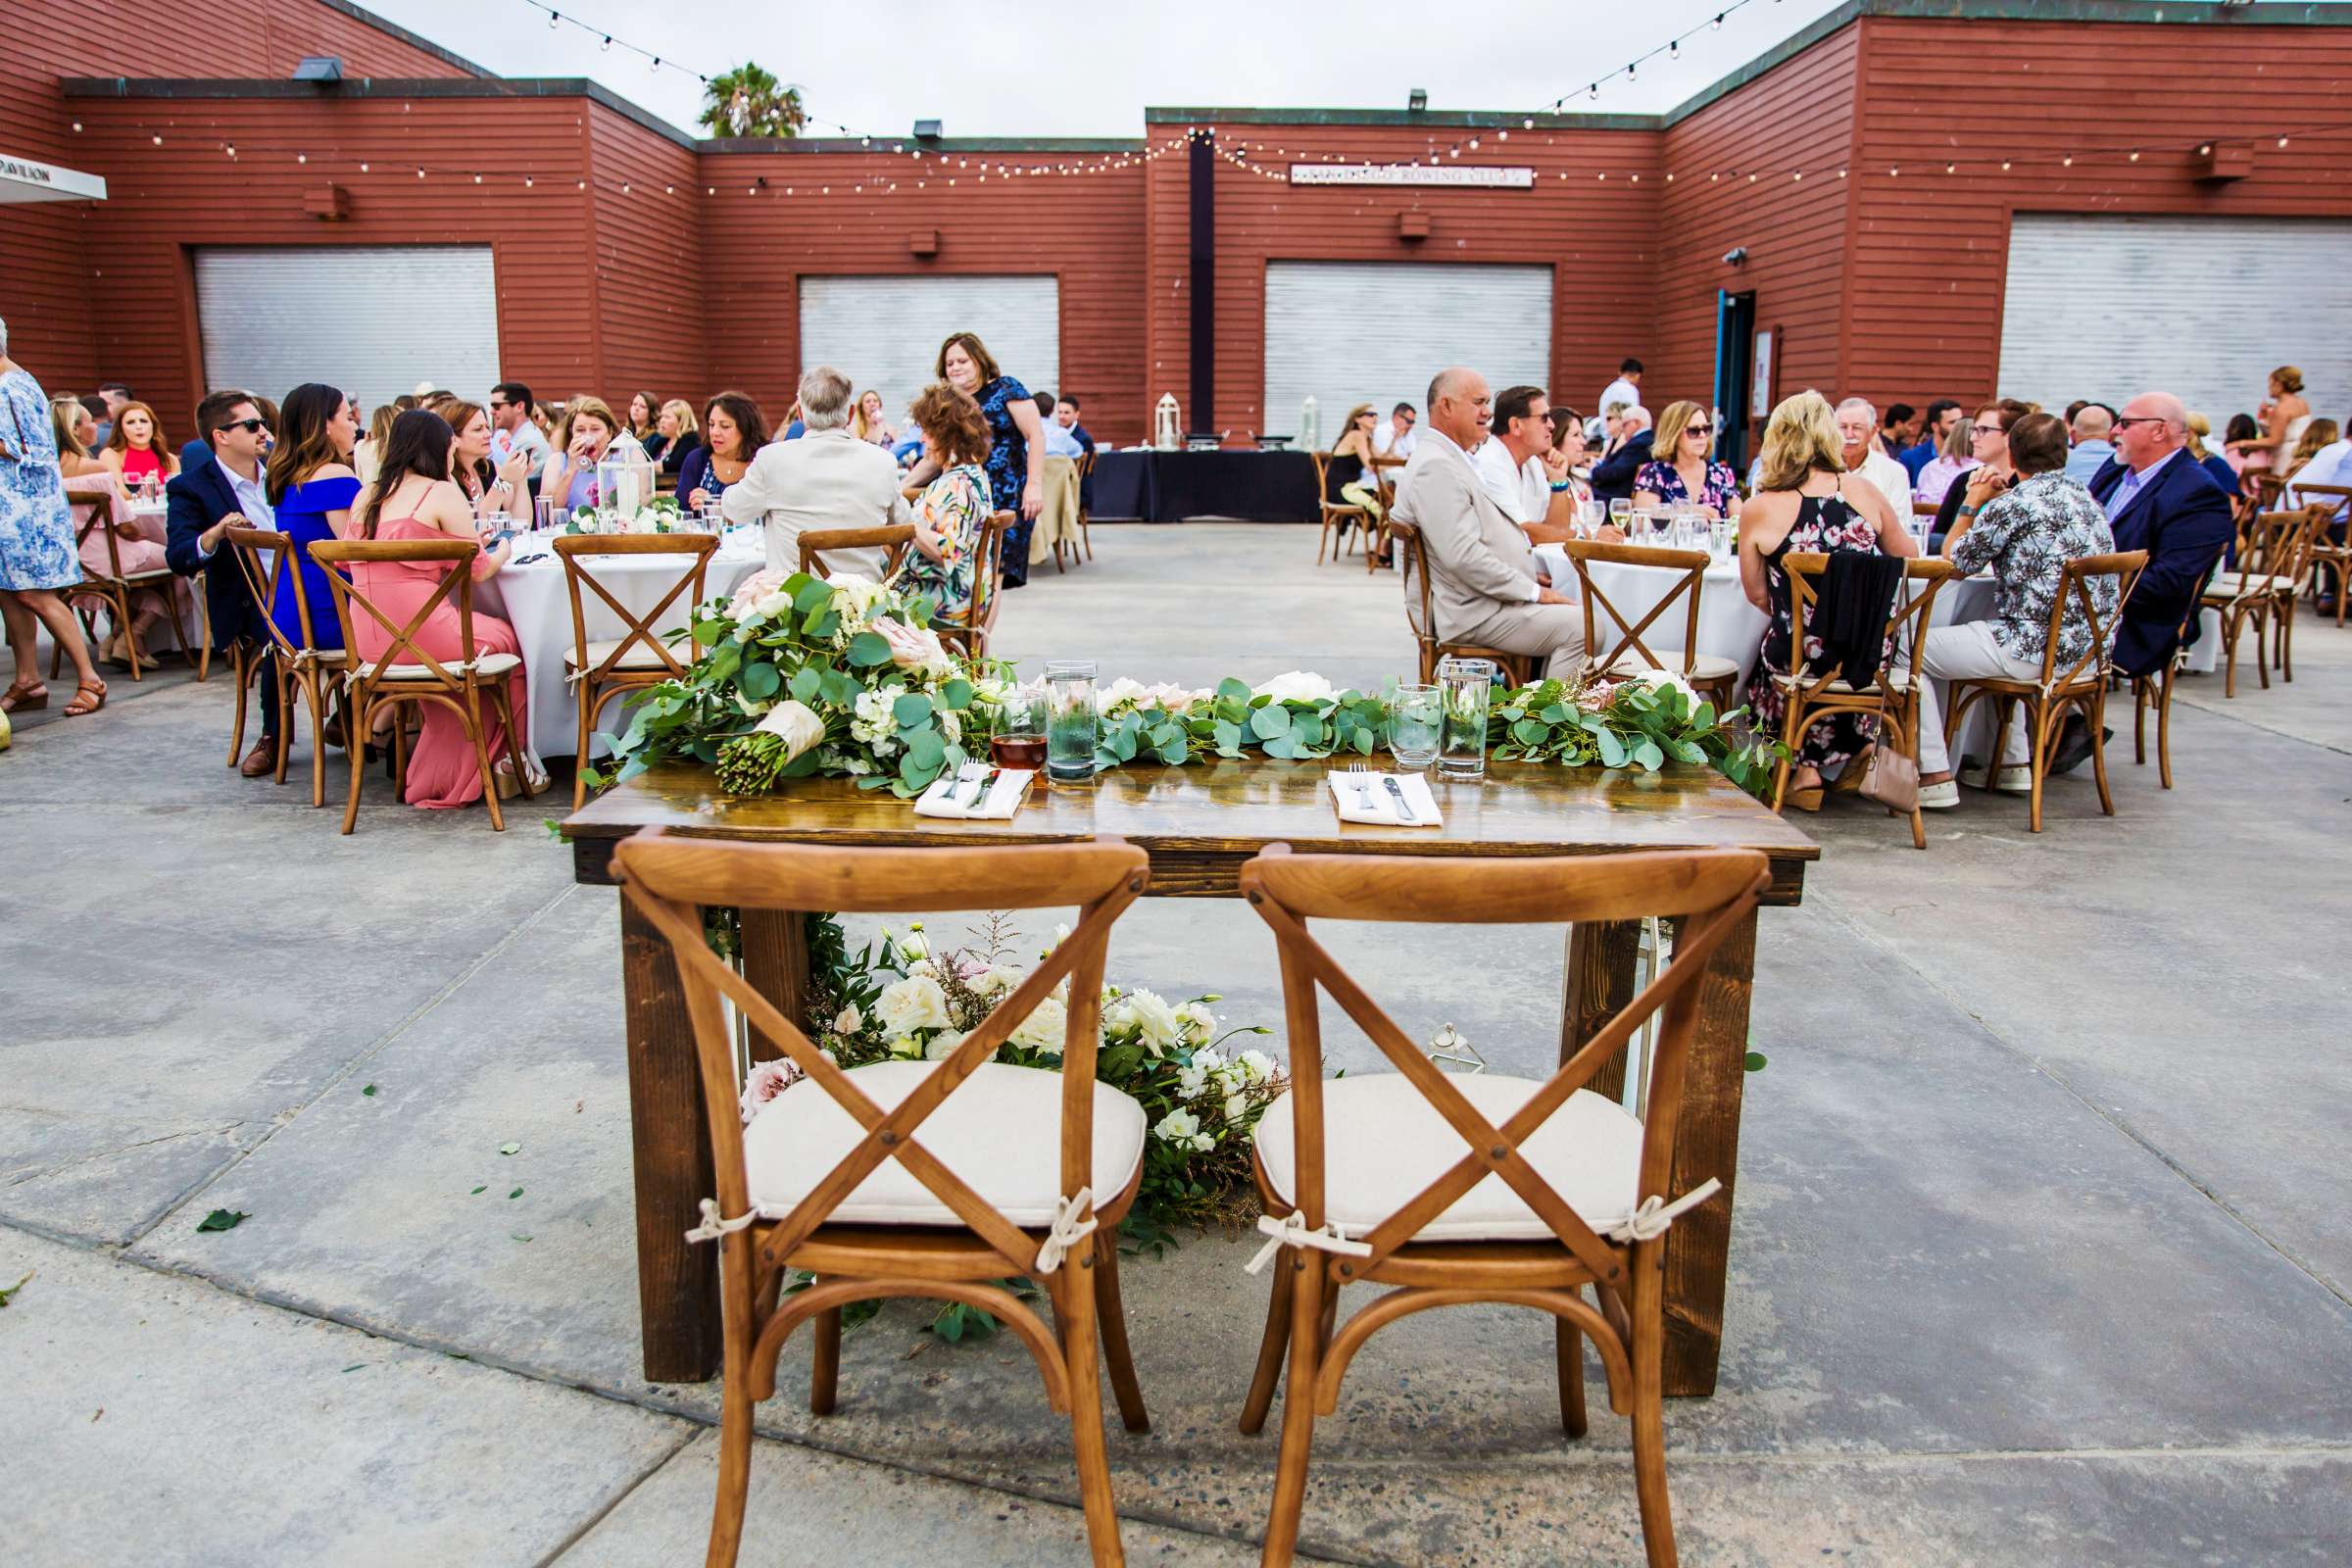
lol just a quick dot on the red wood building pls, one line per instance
(1910, 198)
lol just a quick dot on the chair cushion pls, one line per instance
(1383, 1142)
(2232, 584)
(489, 664)
(1000, 1132)
(639, 657)
(1705, 667)
(1892, 678)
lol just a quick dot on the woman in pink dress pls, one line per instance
(138, 541)
(414, 497)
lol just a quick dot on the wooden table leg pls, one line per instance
(677, 1282)
(775, 960)
(1600, 981)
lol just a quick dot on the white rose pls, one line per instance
(1208, 1059)
(1190, 1081)
(1668, 677)
(943, 1044)
(1152, 1019)
(1123, 691)
(769, 606)
(914, 1002)
(912, 946)
(847, 1021)
(1236, 1109)
(1200, 1018)
(995, 981)
(1178, 1127)
(1298, 686)
(1258, 1065)
(1044, 1029)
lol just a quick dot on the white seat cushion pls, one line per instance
(1705, 667)
(639, 657)
(488, 666)
(2232, 584)
(1000, 1132)
(1893, 678)
(1383, 1142)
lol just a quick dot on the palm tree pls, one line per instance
(749, 101)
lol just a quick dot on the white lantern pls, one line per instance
(1167, 424)
(1310, 425)
(624, 478)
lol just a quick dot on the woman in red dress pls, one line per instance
(137, 450)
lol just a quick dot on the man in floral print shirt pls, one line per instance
(2026, 529)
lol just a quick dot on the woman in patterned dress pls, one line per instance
(1016, 457)
(1681, 474)
(36, 545)
(1806, 502)
(954, 509)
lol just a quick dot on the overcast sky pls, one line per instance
(1058, 69)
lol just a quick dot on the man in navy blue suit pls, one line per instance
(2161, 502)
(219, 487)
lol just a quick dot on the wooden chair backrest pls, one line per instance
(644, 629)
(2334, 499)
(2277, 544)
(97, 511)
(1926, 509)
(1713, 889)
(1908, 625)
(2075, 589)
(1415, 567)
(266, 558)
(1692, 563)
(1328, 497)
(457, 582)
(895, 539)
(1085, 463)
(673, 880)
(988, 572)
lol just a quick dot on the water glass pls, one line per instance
(1415, 724)
(1465, 687)
(543, 514)
(1589, 516)
(1071, 719)
(1719, 537)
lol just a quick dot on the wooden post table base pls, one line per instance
(1198, 824)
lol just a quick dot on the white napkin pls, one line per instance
(1004, 797)
(1350, 790)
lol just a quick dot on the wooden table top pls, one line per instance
(1199, 822)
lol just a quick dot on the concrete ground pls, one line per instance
(2040, 1256)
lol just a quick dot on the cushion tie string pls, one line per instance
(1651, 1218)
(1292, 1230)
(712, 1228)
(1068, 1230)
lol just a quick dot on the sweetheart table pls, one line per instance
(1198, 824)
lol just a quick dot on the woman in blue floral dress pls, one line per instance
(36, 545)
(951, 515)
(1681, 474)
(1017, 435)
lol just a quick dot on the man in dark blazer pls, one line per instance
(1613, 476)
(2162, 502)
(220, 486)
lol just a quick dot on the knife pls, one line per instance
(1405, 812)
(988, 781)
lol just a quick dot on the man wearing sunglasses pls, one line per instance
(512, 431)
(219, 487)
(2158, 500)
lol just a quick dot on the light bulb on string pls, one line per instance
(157, 140)
(362, 169)
(1674, 50)
(2205, 151)
(606, 45)
(656, 66)
(2068, 160)
(2004, 166)
(555, 19)
(420, 171)
(1717, 24)
(2283, 141)
(302, 158)
(2136, 155)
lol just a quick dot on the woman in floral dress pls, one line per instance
(953, 510)
(36, 545)
(1806, 502)
(1016, 456)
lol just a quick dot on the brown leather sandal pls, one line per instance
(24, 697)
(88, 697)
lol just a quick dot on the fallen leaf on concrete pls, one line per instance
(510, 1149)
(19, 1285)
(222, 1220)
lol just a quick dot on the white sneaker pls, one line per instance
(2015, 779)
(1939, 797)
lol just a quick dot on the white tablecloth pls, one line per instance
(529, 593)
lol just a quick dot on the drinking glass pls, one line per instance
(1465, 687)
(543, 514)
(1719, 537)
(1621, 512)
(1415, 724)
(1590, 515)
(1021, 737)
(1071, 719)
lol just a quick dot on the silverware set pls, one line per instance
(1361, 779)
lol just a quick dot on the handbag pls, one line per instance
(1890, 778)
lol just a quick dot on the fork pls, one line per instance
(1360, 776)
(968, 774)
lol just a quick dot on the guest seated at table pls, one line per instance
(642, 424)
(1933, 431)
(587, 430)
(1017, 442)
(137, 450)
(871, 423)
(138, 541)
(1628, 451)
(827, 480)
(1486, 587)
(1516, 466)
(75, 428)
(1858, 428)
(2242, 445)
(514, 429)
(489, 489)
(222, 486)
(415, 498)
(2091, 449)
(734, 431)
(2026, 533)
(1687, 475)
(680, 434)
(1361, 488)
(1989, 440)
(953, 508)
(2159, 501)
(311, 488)
(1065, 415)
(1397, 437)
(1059, 443)
(1805, 502)
(2224, 472)
(1566, 459)
(1954, 457)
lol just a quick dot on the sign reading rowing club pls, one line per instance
(1474, 174)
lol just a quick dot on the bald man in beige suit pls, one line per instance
(1486, 585)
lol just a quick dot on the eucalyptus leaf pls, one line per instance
(1269, 721)
(957, 695)
(910, 710)
(807, 681)
(1613, 750)
(869, 649)
(1232, 690)
(760, 681)
(1650, 757)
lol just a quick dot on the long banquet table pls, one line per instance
(1198, 824)
(1171, 486)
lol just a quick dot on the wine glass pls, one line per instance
(1620, 514)
(1019, 741)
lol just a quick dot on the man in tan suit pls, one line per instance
(1486, 585)
(828, 478)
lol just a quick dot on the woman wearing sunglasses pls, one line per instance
(1681, 474)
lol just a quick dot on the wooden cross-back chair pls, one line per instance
(971, 634)
(1344, 515)
(2080, 687)
(1085, 534)
(405, 672)
(1892, 694)
(2332, 540)
(641, 657)
(2272, 557)
(1414, 562)
(1713, 675)
(265, 557)
(931, 1179)
(893, 539)
(1384, 471)
(1554, 1188)
(111, 589)
(2156, 691)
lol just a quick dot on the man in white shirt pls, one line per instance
(2090, 449)
(1858, 428)
(512, 431)
(2330, 465)
(1626, 389)
(1396, 438)
(828, 479)
(1059, 443)
(1512, 462)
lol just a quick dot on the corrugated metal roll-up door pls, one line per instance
(373, 319)
(1349, 332)
(2103, 307)
(884, 333)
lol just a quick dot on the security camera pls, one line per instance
(1736, 256)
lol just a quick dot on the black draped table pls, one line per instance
(1171, 486)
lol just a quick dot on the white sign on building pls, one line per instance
(1480, 175)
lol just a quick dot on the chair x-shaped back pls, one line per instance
(265, 559)
(641, 629)
(1692, 563)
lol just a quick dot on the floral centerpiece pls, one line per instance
(659, 514)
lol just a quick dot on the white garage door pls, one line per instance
(374, 320)
(2103, 307)
(885, 332)
(1349, 332)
